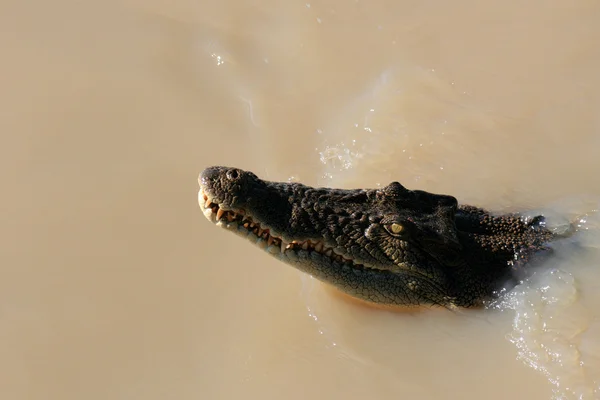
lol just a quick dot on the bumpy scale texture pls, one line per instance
(390, 245)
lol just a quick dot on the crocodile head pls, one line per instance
(389, 245)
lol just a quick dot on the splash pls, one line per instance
(547, 330)
(403, 121)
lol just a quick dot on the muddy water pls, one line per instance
(115, 287)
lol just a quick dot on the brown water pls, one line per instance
(114, 286)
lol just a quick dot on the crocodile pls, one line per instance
(390, 246)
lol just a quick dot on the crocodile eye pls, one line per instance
(395, 229)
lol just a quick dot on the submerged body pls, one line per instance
(390, 246)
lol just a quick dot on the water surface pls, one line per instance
(113, 284)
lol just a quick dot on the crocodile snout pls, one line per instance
(211, 175)
(227, 186)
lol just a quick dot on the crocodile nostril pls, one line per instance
(232, 174)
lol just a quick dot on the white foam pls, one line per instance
(547, 327)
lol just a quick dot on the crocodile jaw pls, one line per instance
(314, 257)
(263, 236)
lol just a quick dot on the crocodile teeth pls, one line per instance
(264, 234)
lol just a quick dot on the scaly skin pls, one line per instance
(390, 246)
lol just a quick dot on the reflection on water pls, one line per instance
(113, 284)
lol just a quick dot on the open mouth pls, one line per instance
(240, 222)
